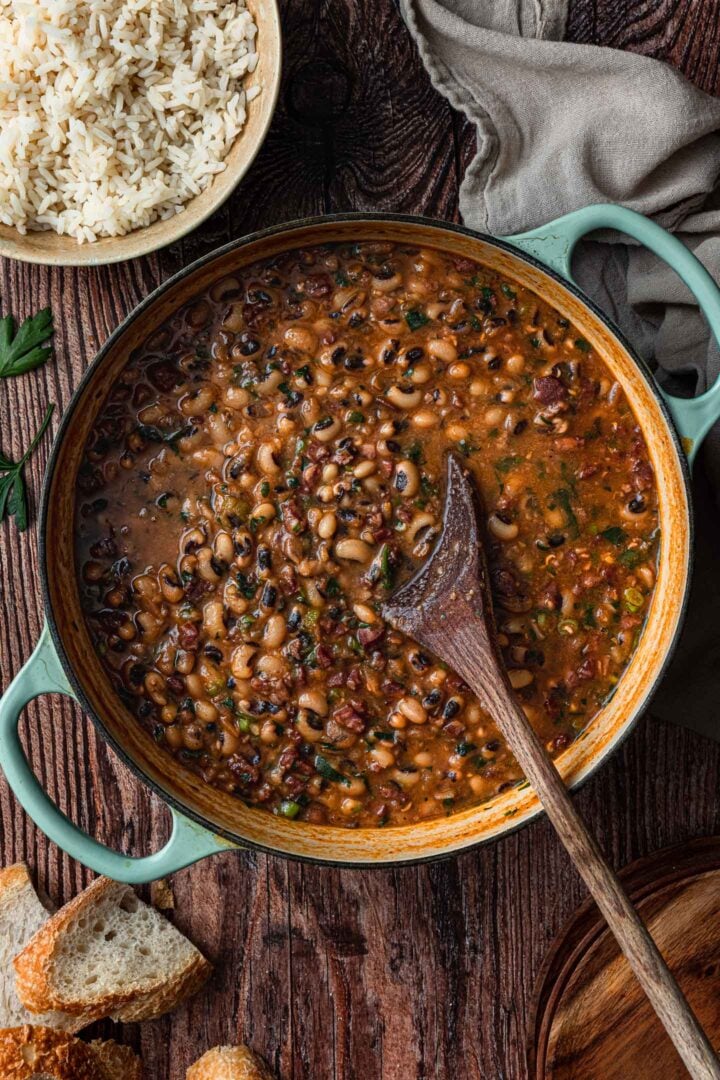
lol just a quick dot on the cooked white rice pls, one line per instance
(114, 113)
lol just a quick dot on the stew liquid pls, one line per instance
(269, 467)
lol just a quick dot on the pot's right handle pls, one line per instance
(44, 674)
(553, 244)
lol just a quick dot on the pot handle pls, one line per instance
(553, 245)
(43, 674)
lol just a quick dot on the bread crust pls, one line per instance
(117, 1062)
(26, 1052)
(229, 1063)
(34, 972)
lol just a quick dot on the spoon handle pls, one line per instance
(630, 932)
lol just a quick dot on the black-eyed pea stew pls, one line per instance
(269, 467)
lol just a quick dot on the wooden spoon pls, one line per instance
(447, 608)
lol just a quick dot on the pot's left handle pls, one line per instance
(553, 245)
(43, 674)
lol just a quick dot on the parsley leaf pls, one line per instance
(23, 350)
(13, 499)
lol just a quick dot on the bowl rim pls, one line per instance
(170, 800)
(139, 242)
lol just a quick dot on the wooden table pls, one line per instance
(412, 974)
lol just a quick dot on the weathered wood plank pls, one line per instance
(420, 973)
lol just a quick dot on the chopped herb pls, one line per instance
(615, 535)
(383, 736)
(562, 497)
(589, 619)
(153, 434)
(356, 417)
(508, 292)
(23, 350)
(416, 318)
(13, 500)
(634, 600)
(415, 453)
(505, 464)
(332, 588)
(465, 748)
(582, 345)
(265, 489)
(629, 558)
(341, 278)
(289, 808)
(327, 772)
(244, 721)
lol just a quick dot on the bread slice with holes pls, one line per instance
(106, 953)
(21, 916)
(43, 1053)
(229, 1063)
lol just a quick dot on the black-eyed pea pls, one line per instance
(235, 397)
(127, 630)
(206, 711)
(330, 473)
(423, 759)
(262, 513)
(327, 428)
(364, 613)
(174, 736)
(503, 529)
(223, 547)
(459, 371)
(271, 665)
(192, 736)
(406, 778)
(184, 661)
(214, 620)
(266, 460)
(515, 364)
(383, 756)
(354, 786)
(240, 662)
(301, 338)
(269, 384)
(155, 687)
(407, 479)
(327, 525)
(228, 741)
(425, 419)
(198, 401)
(387, 284)
(353, 550)
(168, 713)
(397, 720)
(442, 349)
(478, 785)
(403, 397)
(194, 685)
(314, 700)
(455, 431)
(519, 678)
(309, 726)
(268, 733)
(412, 710)
(274, 632)
(494, 416)
(420, 374)
(364, 468)
(350, 806)
(205, 567)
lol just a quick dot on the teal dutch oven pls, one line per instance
(205, 820)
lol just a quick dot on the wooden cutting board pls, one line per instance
(590, 1020)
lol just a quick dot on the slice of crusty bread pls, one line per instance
(229, 1063)
(106, 953)
(117, 1062)
(43, 1053)
(21, 915)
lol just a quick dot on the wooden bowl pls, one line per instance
(50, 249)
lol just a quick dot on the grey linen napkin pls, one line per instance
(561, 126)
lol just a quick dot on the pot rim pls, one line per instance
(186, 272)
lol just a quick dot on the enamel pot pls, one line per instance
(207, 820)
